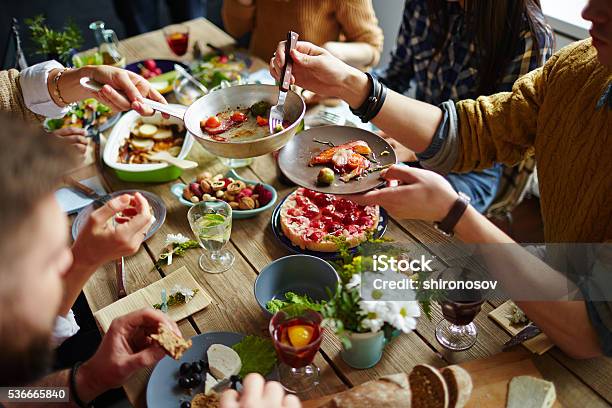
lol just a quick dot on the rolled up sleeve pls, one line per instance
(65, 327)
(33, 82)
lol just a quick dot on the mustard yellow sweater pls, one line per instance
(552, 112)
(316, 21)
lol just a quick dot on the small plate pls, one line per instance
(166, 66)
(383, 220)
(101, 128)
(294, 158)
(163, 390)
(177, 190)
(156, 203)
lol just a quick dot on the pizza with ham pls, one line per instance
(309, 219)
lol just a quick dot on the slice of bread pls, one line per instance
(223, 361)
(389, 391)
(530, 392)
(428, 387)
(459, 384)
(173, 344)
(205, 401)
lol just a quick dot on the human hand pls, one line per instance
(402, 153)
(421, 194)
(102, 240)
(259, 393)
(317, 70)
(122, 90)
(126, 348)
(74, 136)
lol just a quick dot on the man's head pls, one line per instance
(34, 246)
(599, 12)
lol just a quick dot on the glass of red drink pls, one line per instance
(457, 331)
(177, 37)
(297, 338)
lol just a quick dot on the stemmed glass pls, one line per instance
(211, 222)
(457, 331)
(297, 336)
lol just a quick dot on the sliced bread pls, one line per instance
(172, 344)
(428, 387)
(389, 391)
(530, 392)
(223, 361)
(459, 384)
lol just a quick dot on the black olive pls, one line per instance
(185, 369)
(185, 404)
(235, 378)
(196, 379)
(185, 382)
(196, 367)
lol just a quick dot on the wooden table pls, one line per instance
(579, 383)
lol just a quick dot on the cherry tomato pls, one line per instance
(238, 117)
(150, 64)
(213, 122)
(261, 121)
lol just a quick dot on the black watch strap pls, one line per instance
(447, 225)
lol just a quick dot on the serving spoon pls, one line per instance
(166, 157)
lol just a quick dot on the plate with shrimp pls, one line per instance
(336, 159)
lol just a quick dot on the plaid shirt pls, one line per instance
(451, 74)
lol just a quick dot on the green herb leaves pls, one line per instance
(257, 355)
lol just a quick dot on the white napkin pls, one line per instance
(72, 200)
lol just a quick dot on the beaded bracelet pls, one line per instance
(56, 91)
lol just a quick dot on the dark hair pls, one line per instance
(496, 26)
(32, 163)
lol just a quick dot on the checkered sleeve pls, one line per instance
(398, 74)
(532, 55)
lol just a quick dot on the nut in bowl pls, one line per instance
(247, 198)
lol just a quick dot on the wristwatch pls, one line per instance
(447, 225)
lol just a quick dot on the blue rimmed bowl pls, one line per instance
(177, 190)
(300, 274)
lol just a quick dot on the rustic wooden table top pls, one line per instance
(579, 383)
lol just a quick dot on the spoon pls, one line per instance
(190, 78)
(166, 157)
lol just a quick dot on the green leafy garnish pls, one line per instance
(257, 355)
(176, 299)
(275, 305)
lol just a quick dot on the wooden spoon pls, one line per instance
(168, 158)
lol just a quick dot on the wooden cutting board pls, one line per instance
(490, 377)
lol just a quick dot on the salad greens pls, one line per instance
(79, 113)
(291, 298)
(257, 355)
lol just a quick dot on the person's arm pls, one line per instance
(100, 241)
(364, 38)
(238, 16)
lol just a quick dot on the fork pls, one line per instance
(277, 111)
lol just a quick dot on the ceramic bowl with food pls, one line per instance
(134, 136)
(246, 197)
(299, 274)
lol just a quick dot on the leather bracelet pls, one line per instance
(379, 104)
(362, 110)
(73, 388)
(447, 225)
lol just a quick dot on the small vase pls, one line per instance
(366, 349)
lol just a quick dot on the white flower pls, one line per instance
(172, 239)
(373, 312)
(187, 293)
(402, 315)
(354, 282)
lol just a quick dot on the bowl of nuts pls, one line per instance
(246, 197)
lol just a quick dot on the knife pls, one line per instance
(528, 332)
(119, 270)
(99, 200)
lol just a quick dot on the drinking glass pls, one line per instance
(177, 37)
(211, 222)
(297, 371)
(457, 331)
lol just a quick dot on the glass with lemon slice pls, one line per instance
(211, 222)
(297, 335)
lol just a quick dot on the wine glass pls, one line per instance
(457, 331)
(211, 222)
(297, 336)
(177, 37)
